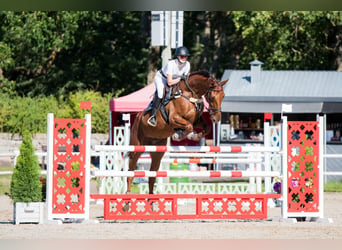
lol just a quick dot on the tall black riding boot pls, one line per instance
(152, 121)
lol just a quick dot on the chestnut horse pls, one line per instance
(185, 113)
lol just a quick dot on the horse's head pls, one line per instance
(214, 97)
(201, 83)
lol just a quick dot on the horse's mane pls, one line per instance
(201, 72)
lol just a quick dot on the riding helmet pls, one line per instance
(182, 51)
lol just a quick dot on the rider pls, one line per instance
(170, 74)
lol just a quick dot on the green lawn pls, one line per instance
(333, 186)
(5, 181)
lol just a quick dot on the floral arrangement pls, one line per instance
(277, 185)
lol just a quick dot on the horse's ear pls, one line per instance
(224, 82)
(212, 83)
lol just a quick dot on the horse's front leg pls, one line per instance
(133, 158)
(156, 158)
(182, 128)
(202, 124)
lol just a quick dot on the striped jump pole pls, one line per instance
(150, 148)
(174, 173)
(208, 155)
(204, 160)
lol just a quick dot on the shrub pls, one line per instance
(25, 184)
(18, 114)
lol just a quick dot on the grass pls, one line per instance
(333, 186)
(135, 188)
(5, 181)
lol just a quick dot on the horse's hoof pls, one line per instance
(190, 135)
(176, 137)
(195, 136)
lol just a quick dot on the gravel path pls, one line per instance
(190, 229)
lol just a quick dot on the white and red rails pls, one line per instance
(207, 206)
(181, 149)
(114, 158)
(253, 157)
(209, 160)
(177, 173)
(69, 177)
(302, 187)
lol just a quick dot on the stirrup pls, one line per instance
(150, 122)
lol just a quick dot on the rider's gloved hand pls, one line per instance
(184, 77)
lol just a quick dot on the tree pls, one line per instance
(213, 40)
(45, 53)
(57, 52)
(35, 39)
(25, 184)
(303, 40)
(6, 61)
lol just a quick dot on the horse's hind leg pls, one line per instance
(133, 158)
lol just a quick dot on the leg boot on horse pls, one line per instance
(152, 121)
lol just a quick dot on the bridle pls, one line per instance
(216, 88)
(197, 101)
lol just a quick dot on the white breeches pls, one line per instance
(160, 82)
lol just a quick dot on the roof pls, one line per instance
(307, 91)
(134, 102)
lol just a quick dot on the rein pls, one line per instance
(198, 101)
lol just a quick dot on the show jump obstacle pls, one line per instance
(68, 178)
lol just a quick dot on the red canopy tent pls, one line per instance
(134, 103)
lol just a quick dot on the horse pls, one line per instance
(184, 113)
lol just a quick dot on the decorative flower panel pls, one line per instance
(69, 166)
(302, 166)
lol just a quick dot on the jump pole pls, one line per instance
(204, 160)
(173, 173)
(208, 155)
(176, 149)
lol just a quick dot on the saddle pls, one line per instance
(172, 92)
(169, 94)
